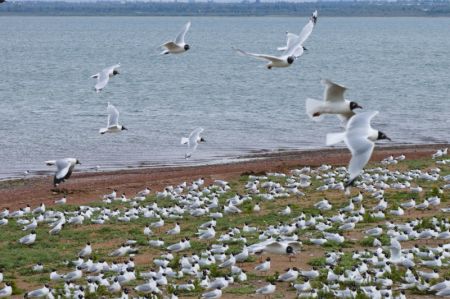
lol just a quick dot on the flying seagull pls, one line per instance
(333, 103)
(304, 34)
(104, 75)
(112, 125)
(360, 139)
(293, 50)
(178, 45)
(64, 168)
(192, 141)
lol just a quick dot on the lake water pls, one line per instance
(49, 109)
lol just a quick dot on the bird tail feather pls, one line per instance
(184, 140)
(103, 130)
(334, 138)
(313, 107)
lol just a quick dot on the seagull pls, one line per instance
(290, 275)
(217, 293)
(333, 103)
(28, 239)
(64, 168)
(178, 45)
(61, 201)
(86, 251)
(266, 290)
(104, 75)
(6, 291)
(192, 141)
(293, 50)
(263, 267)
(112, 126)
(305, 33)
(42, 292)
(359, 138)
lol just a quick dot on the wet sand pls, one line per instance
(87, 187)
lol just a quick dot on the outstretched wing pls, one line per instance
(308, 29)
(357, 141)
(62, 168)
(180, 37)
(170, 46)
(290, 37)
(333, 92)
(260, 56)
(102, 80)
(113, 116)
(193, 139)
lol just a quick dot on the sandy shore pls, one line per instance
(87, 187)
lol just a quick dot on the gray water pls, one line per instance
(399, 66)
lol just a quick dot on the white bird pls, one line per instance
(42, 292)
(178, 45)
(333, 103)
(290, 275)
(263, 267)
(266, 290)
(359, 138)
(305, 33)
(192, 141)
(293, 50)
(86, 251)
(64, 169)
(61, 201)
(28, 239)
(217, 293)
(74, 275)
(112, 125)
(104, 75)
(6, 291)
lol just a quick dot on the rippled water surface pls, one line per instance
(399, 66)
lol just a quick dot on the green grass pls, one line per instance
(16, 260)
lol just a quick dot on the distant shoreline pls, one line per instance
(212, 9)
(85, 187)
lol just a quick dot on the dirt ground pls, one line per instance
(86, 187)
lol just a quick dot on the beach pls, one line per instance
(87, 187)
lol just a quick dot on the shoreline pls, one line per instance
(86, 187)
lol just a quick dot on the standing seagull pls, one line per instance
(192, 141)
(64, 168)
(304, 34)
(294, 49)
(104, 75)
(360, 139)
(333, 103)
(112, 125)
(178, 46)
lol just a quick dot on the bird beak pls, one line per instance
(388, 138)
(358, 106)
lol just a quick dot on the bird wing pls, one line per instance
(307, 30)
(193, 138)
(289, 38)
(294, 46)
(170, 46)
(260, 56)
(358, 143)
(274, 247)
(333, 92)
(113, 116)
(180, 37)
(102, 80)
(63, 168)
